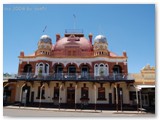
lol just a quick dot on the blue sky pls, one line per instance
(127, 27)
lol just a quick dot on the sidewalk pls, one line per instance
(73, 110)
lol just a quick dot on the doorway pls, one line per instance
(145, 100)
(72, 69)
(110, 98)
(26, 94)
(72, 72)
(70, 95)
(32, 97)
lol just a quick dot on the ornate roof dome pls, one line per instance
(100, 38)
(45, 42)
(45, 39)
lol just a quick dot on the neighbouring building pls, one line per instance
(74, 72)
(145, 85)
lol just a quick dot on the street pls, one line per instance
(70, 113)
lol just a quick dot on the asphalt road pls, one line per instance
(55, 113)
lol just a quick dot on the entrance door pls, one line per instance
(26, 94)
(110, 98)
(145, 101)
(71, 95)
(32, 97)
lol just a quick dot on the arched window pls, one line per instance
(101, 69)
(36, 70)
(96, 70)
(101, 65)
(27, 68)
(47, 68)
(117, 69)
(39, 68)
(72, 69)
(84, 71)
(106, 70)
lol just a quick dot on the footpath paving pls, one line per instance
(77, 110)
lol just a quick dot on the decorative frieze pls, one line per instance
(77, 61)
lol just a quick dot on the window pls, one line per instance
(101, 70)
(84, 93)
(106, 70)
(72, 69)
(96, 70)
(56, 93)
(46, 66)
(27, 68)
(101, 65)
(132, 95)
(117, 69)
(101, 93)
(40, 68)
(84, 71)
(42, 93)
(7, 92)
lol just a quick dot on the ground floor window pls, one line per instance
(56, 93)
(84, 92)
(132, 95)
(6, 94)
(42, 93)
(101, 93)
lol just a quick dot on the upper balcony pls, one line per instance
(73, 77)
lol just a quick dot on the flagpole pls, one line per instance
(74, 21)
(44, 28)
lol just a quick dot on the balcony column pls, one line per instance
(78, 73)
(116, 97)
(20, 97)
(75, 96)
(140, 97)
(95, 90)
(60, 95)
(65, 73)
(90, 73)
(40, 99)
(137, 98)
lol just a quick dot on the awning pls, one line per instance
(145, 86)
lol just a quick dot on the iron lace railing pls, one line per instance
(73, 76)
